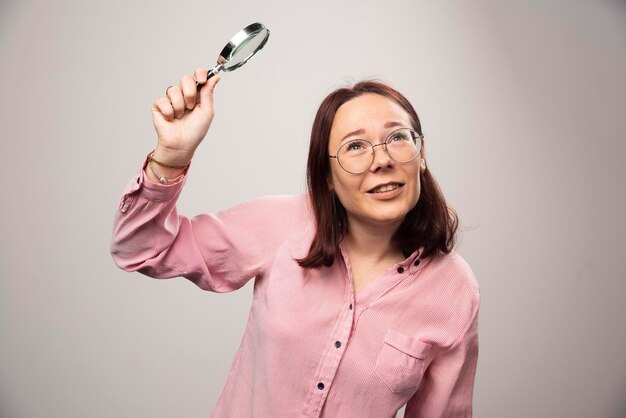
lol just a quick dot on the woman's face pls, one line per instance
(373, 117)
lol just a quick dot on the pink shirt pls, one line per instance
(312, 347)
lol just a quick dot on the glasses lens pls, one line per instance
(355, 156)
(403, 145)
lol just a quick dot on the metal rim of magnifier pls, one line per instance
(243, 35)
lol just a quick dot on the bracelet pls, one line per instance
(163, 179)
(151, 156)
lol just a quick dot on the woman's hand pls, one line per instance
(182, 117)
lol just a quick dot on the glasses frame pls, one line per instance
(384, 145)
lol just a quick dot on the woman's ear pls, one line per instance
(422, 157)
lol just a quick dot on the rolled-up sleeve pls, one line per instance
(448, 385)
(218, 252)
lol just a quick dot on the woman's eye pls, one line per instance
(400, 137)
(355, 146)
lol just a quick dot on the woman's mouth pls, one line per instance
(385, 188)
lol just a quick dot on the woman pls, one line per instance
(360, 303)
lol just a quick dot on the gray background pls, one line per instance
(523, 107)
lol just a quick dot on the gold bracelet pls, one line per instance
(151, 156)
(163, 179)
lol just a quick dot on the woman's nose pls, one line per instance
(381, 158)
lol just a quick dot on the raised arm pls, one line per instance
(217, 252)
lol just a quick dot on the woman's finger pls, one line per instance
(200, 75)
(188, 86)
(206, 93)
(175, 96)
(164, 106)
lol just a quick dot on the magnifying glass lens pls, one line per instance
(240, 49)
(245, 49)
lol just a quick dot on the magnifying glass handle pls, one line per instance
(211, 73)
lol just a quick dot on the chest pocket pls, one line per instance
(401, 361)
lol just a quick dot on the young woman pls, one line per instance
(361, 305)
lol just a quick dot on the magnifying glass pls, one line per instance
(240, 48)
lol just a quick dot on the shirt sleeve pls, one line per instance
(447, 388)
(219, 252)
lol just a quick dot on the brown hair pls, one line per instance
(431, 224)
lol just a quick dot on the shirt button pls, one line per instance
(320, 386)
(416, 262)
(137, 180)
(337, 344)
(350, 306)
(400, 269)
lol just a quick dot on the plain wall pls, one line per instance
(523, 108)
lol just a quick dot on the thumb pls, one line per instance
(206, 92)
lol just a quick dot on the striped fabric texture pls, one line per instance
(312, 347)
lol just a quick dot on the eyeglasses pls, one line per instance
(357, 156)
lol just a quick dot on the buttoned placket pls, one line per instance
(346, 326)
(336, 347)
(384, 284)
